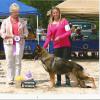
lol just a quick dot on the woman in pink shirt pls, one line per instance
(59, 32)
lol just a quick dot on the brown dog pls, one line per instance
(58, 65)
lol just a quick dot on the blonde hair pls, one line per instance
(14, 7)
(51, 17)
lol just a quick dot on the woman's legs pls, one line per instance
(10, 59)
(65, 53)
(18, 58)
(58, 53)
(67, 56)
(14, 54)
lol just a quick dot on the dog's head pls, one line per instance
(37, 52)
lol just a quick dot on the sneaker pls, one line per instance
(11, 83)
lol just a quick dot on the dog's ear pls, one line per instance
(38, 47)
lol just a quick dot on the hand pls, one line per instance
(9, 36)
(57, 38)
(24, 36)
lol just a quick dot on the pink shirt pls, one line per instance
(58, 30)
(14, 28)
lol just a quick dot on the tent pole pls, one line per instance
(37, 20)
(37, 29)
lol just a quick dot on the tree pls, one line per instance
(43, 6)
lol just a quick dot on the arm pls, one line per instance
(4, 35)
(3, 29)
(48, 38)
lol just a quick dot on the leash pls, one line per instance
(43, 64)
(51, 64)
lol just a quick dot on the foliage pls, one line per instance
(43, 6)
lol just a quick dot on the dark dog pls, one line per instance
(58, 65)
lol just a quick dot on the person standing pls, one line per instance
(59, 32)
(13, 32)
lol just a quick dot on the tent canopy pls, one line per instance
(79, 7)
(25, 9)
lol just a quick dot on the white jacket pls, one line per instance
(6, 29)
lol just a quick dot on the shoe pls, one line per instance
(58, 84)
(11, 83)
(68, 84)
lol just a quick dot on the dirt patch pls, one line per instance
(42, 79)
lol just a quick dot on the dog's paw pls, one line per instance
(91, 87)
(51, 85)
(88, 87)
